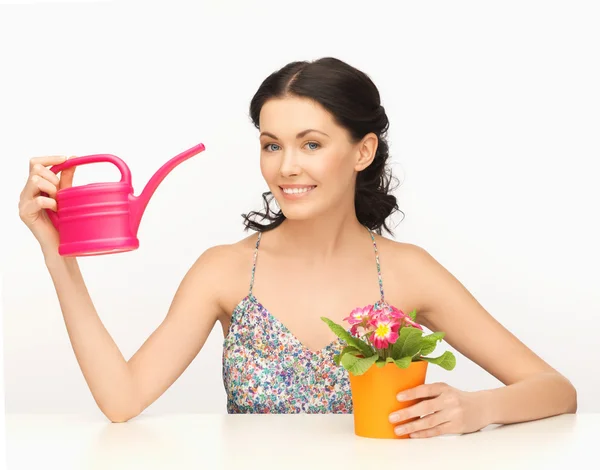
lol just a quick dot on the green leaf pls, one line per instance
(413, 315)
(408, 343)
(429, 342)
(350, 350)
(358, 365)
(404, 362)
(428, 347)
(346, 350)
(341, 333)
(445, 361)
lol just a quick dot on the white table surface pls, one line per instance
(303, 441)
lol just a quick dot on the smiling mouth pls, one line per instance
(296, 191)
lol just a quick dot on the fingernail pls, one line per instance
(401, 397)
(400, 430)
(394, 418)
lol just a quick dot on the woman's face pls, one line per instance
(308, 161)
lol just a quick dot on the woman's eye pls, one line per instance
(275, 147)
(266, 147)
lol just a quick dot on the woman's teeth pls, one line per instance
(297, 190)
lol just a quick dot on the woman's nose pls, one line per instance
(289, 165)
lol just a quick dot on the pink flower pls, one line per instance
(360, 319)
(381, 323)
(359, 315)
(401, 317)
(354, 330)
(397, 313)
(386, 331)
(377, 315)
(408, 322)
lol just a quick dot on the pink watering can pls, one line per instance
(103, 218)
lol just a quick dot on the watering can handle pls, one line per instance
(101, 157)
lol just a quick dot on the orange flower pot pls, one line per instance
(374, 397)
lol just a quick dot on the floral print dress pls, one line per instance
(266, 369)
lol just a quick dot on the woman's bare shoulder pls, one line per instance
(404, 266)
(229, 266)
(402, 254)
(227, 258)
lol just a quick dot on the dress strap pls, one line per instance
(378, 267)
(254, 262)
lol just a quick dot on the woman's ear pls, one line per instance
(367, 148)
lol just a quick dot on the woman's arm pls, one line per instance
(123, 389)
(533, 389)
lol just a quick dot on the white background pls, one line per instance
(494, 136)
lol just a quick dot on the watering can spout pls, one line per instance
(139, 203)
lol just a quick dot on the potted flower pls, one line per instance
(386, 352)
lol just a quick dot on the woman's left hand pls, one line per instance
(443, 410)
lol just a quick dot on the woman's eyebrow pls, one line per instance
(298, 136)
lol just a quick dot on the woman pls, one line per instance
(324, 158)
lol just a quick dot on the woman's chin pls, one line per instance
(309, 212)
(297, 212)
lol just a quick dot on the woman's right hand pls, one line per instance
(32, 203)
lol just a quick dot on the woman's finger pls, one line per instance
(37, 184)
(41, 170)
(66, 178)
(444, 428)
(44, 202)
(423, 391)
(30, 209)
(426, 422)
(417, 410)
(46, 160)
